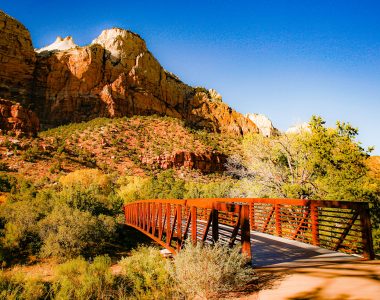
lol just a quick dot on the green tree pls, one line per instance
(319, 163)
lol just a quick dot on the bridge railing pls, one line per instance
(337, 225)
(171, 222)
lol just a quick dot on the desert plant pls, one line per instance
(79, 279)
(18, 287)
(67, 232)
(146, 274)
(205, 271)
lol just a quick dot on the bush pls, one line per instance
(78, 279)
(86, 178)
(205, 271)
(19, 287)
(218, 189)
(67, 232)
(146, 274)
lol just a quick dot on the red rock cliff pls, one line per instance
(114, 76)
(14, 118)
(17, 60)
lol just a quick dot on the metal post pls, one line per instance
(278, 219)
(194, 224)
(245, 231)
(215, 225)
(168, 224)
(365, 222)
(179, 226)
(160, 221)
(314, 224)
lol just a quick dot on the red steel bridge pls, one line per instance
(335, 225)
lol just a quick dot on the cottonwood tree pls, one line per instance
(321, 162)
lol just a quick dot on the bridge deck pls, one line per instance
(276, 252)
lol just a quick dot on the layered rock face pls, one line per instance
(205, 162)
(14, 118)
(114, 76)
(17, 60)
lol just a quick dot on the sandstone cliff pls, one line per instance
(17, 60)
(114, 76)
(263, 123)
(14, 118)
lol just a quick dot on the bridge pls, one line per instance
(267, 229)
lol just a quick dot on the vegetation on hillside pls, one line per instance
(62, 194)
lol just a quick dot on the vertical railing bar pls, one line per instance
(194, 224)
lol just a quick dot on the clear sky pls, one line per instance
(285, 59)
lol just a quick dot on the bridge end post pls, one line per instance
(314, 224)
(245, 231)
(366, 232)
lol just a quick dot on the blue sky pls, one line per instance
(286, 59)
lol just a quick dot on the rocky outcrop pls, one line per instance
(59, 44)
(264, 125)
(17, 60)
(14, 118)
(114, 76)
(205, 162)
(298, 128)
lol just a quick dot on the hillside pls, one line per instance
(137, 145)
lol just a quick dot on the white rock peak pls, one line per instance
(299, 128)
(60, 44)
(263, 123)
(116, 40)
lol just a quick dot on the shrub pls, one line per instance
(4, 166)
(205, 271)
(218, 189)
(78, 279)
(133, 188)
(146, 274)
(67, 232)
(6, 183)
(86, 178)
(19, 287)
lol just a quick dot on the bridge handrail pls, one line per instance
(336, 225)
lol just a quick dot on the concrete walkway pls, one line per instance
(271, 251)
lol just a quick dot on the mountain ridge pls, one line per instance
(114, 76)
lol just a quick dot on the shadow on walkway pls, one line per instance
(271, 251)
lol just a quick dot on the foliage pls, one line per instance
(18, 287)
(146, 275)
(133, 188)
(74, 218)
(216, 189)
(78, 279)
(205, 271)
(85, 178)
(7, 182)
(69, 232)
(325, 163)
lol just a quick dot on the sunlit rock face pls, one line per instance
(59, 45)
(17, 119)
(263, 123)
(17, 60)
(298, 128)
(114, 76)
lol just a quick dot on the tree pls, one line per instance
(318, 163)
